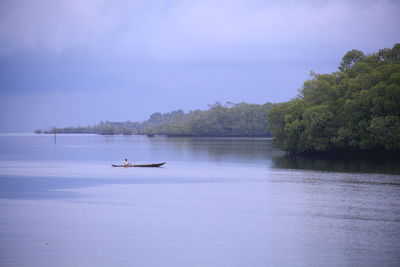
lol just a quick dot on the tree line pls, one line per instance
(103, 128)
(240, 119)
(356, 108)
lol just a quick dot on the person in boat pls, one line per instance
(126, 162)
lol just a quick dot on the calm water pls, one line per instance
(217, 202)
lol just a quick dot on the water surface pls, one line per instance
(217, 202)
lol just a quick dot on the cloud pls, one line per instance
(120, 59)
(185, 31)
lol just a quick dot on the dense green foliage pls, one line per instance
(356, 108)
(219, 120)
(104, 128)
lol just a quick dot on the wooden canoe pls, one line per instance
(140, 165)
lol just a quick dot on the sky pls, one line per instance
(79, 62)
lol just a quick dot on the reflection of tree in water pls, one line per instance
(260, 150)
(366, 162)
(219, 149)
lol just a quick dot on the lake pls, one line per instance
(216, 202)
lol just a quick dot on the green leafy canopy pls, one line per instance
(356, 108)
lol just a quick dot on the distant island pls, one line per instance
(356, 108)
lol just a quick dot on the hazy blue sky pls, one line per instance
(71, 62)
